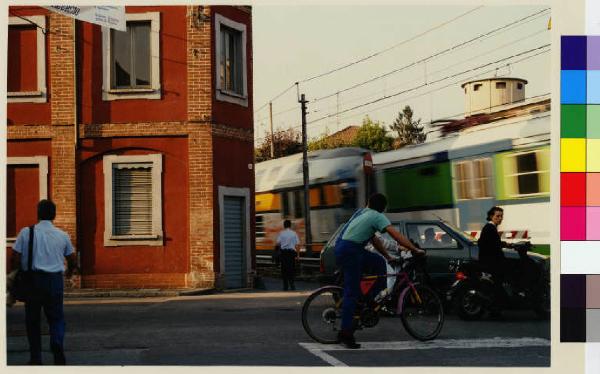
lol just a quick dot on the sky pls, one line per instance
(292, 43)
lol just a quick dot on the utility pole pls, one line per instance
(307, 236)
(271, 120)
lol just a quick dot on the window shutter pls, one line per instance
(132, 199)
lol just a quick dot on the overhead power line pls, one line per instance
(437, 54)
(455, 47)
(276, 97)
(430, 83)
(311, 123)
(469, 59)
(392, 47)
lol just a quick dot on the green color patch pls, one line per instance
(573, 121)
(418, 187)
(593, 121)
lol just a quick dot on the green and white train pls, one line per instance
(459, 177)
(456, 178)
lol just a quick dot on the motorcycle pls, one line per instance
(525, 286)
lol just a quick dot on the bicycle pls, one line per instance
(418, 306)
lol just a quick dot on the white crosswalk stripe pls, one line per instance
(320, 350)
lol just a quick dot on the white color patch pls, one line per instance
(592, 358)
(592, 18)
(319, 349)
(580, 257)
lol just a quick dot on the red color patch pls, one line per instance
(572, 189)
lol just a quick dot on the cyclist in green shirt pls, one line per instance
(353, 259)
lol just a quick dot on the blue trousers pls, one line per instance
(354, 260)
(47, 293)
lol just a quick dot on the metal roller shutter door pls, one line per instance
(234, 241)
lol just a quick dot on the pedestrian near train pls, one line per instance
(49, 247)
(288, 242)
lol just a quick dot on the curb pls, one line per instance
(136, 293)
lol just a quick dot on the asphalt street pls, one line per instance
(263, 327)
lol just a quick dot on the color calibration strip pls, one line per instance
(580, 189)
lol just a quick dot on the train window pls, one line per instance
(529, 174)
(260, 226)
(473, 179)
(285, 204)
(298, 204)
(477, 86)
(322, 198)
(500, 85)
(348, 192)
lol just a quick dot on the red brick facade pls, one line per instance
(205, 144)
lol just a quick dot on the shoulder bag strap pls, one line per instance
(30, 251)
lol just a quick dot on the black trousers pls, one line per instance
(288, 268)
(47, 294)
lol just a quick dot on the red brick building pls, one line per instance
(143, 139)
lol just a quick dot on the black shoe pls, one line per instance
(347, 340)
(59, 356)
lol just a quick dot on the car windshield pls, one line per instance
(460, 233)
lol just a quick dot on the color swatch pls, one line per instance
(580, 189)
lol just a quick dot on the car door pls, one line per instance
(444, 250)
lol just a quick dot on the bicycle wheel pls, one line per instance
(422, 313)
(322, 314)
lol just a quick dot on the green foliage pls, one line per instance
(409, 131)
(373, 136)
(286, 142)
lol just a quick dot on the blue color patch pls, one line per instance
(593, 86)
(573, 52)
(573, 87)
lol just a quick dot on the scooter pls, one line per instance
(525, 287)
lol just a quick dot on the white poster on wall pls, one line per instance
(108, 16)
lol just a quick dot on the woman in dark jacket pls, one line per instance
(490, 245)
(491, 256)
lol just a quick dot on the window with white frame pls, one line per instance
(131, 65)
(528, 173)
(231, 73)
(133, 200)
(26, 78)
(473, 179)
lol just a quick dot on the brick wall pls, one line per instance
(199, 63)
(62, 69)
(199, 129)
(202, 204)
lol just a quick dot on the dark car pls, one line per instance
(447, 247)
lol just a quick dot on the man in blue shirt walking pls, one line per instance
(353, 259)
(50, 247)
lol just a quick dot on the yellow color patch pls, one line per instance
(572, 155)
(593, 155)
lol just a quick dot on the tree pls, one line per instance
(409, 131)
(286, 142)
(373, 136)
